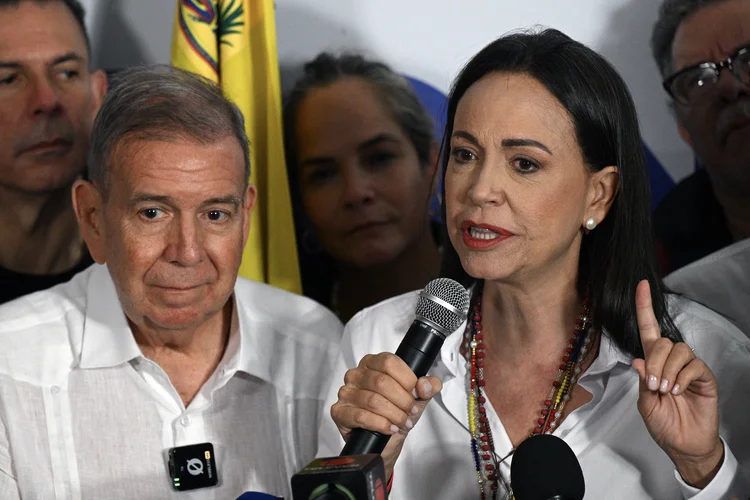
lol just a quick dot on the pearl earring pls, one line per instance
(590, 223)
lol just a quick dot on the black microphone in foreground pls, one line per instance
(563, 477)
(255, 495)
(442, 307)
(358, 473)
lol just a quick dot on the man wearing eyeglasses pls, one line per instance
(702, 227)
(702, 48)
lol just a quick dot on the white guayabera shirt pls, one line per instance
(619, 458)
(720, 281)
(84, 415)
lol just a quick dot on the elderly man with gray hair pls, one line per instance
(702, 48)
(158, 370)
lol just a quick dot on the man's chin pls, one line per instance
(184, 315)
(183, 318)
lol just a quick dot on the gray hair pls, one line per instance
(396, 92)
(162, 103)
(671, 14)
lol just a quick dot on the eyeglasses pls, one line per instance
(696, 83)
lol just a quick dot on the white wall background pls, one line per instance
(427, 39)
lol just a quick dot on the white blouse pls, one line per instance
(618, 457)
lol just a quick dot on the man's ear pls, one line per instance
(99, 85)
(251, 195)
(603, 189)
(88, 206)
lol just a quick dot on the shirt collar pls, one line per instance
(250, 348)
(610, 355)
(107, 338)
(450, 359)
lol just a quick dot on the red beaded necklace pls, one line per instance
(486, 460)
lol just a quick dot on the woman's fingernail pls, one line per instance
(675, 389)
(664, 385)
(653, 384)
(394, 428)
(414, 410)
(409, 423)
(427, 387)
(414, 393)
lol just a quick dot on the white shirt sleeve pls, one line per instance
(330, 441)
(729, 481)
(8, 487)
(8, 484)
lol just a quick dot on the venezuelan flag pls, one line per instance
(233, 43)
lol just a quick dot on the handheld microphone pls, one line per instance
(358, 473)
(563, 477)
(442, 307)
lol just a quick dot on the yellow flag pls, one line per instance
(233, 43)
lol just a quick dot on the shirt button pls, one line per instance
(185, 421)
(55, 389)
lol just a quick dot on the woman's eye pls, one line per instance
(526, 166)
(380, 159)
(462, 155)
(321, 174)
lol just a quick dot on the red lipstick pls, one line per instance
(483, 236)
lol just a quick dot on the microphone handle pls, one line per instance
(419, 349)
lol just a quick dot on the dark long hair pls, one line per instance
(620, 251)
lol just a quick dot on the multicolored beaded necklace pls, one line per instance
(486, 461)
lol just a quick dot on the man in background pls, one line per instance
(702, 48)
(48, 101)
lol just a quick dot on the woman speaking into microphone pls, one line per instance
(571, 331)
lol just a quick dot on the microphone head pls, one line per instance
(544, 467)
(445, 303)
